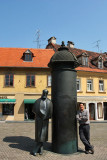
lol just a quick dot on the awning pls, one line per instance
(31, 101)
(7, 101)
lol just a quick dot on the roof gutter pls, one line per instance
(91, 71)
(21, 67)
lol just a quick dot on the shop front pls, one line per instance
(28, 105)
(17, 107)
(7, 109)
(97, 106)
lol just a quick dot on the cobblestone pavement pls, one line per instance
(17, 139)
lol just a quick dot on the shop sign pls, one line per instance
(3, 97)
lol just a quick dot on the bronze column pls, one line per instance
(64, 99)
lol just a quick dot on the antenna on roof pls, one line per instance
(97, 44)
(38, 41)
(38, 38)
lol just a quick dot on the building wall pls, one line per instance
(21, 92)
(95, 77)
(94, 97)
(20, 80)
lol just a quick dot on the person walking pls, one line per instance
(84, 128)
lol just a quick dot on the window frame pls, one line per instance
(85, 59)
(90, 85)
(49, 85)
(29, 56)
(9, 82)
(101, 85)
(7, 108)
(30, 80)
(79, 84)
(100, 62)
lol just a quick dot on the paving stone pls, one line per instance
(17, 139)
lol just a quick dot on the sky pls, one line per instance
(83, 22)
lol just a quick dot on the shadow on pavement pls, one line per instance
(20, 142)
(47, 146)
(80, 150)
(24, 143)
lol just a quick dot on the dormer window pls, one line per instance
(100, 62)
(84, 59)
(28, 56)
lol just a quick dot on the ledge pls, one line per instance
(79, 91)
(30, 87)
(90, 91)
(8, 87)
(48, 86)
(102, 92)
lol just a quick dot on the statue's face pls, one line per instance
(45, 93)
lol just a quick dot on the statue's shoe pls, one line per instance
(33, 153)
(41, 150)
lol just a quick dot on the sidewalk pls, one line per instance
(17, 139)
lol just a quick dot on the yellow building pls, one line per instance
(92, 90)
(23, 76)
(91, 79)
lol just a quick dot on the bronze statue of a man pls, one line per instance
(43, 111)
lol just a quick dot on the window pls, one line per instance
(89, 85)
(9, 80)
(28, 57)
(30, 80)
(101, 85)
(49, 80)
(8, 109)
(85, 61)
(100, 62)
(78, 85)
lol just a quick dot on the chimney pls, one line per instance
(105, 53)
(52, 40)
(70, 44)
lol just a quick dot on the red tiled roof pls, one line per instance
(88, 69)
(12, 57)
(77, 52)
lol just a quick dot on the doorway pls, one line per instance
(29, 115)
(105, 110)
(92, 111)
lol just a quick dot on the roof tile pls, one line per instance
(92, 56)
(12, 57)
